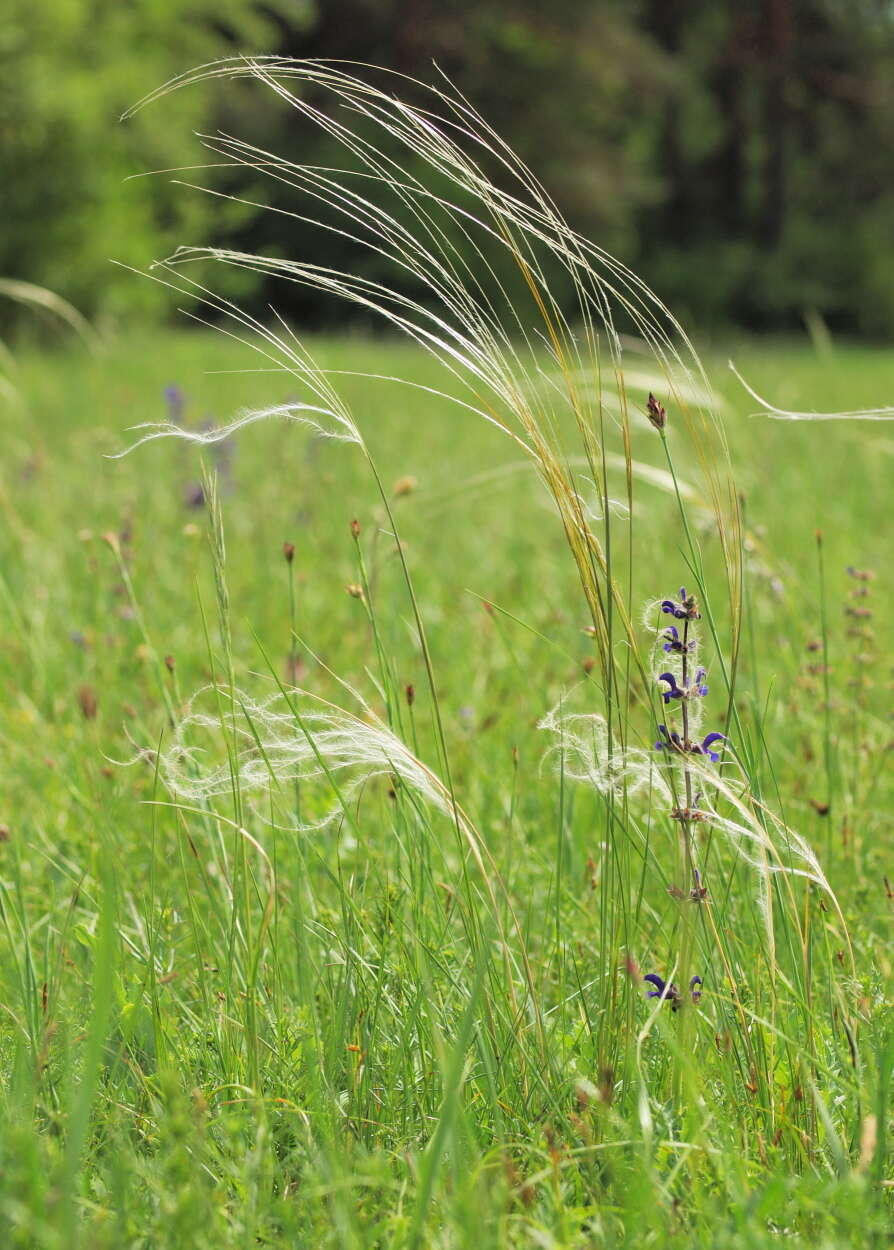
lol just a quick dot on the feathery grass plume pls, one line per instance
(493, 343)
(295, 736)
(761, 840)
(39, 298)
(29, 295)
(288, 736)
(882, 413)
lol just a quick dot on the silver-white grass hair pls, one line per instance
(294, 735)
(451, 214)
(761, 840)
(290, 736)
(381, 204)
(452, 139)
(325, 422)
(582, 743)
(785, 414)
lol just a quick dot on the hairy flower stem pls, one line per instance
(685, 712)
(687, 865)
(687, 927)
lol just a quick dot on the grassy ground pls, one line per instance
(220, 1032)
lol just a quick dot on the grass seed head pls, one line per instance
(88, 702)
(656, 412)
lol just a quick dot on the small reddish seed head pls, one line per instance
(355, 529)
(169, 663)
(288, 550)
(656, 412)
(87, 700)
(411, 694)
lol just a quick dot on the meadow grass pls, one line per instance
(342, 927)
(408, 1028)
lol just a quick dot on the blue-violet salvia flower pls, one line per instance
(673, 742)
(684, 610)
(668, 741)
(670, 992)
(698, 687)
(675, 692)
(707, 742)
(674, 642)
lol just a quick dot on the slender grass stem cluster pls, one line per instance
(540, 374)
(385, 984)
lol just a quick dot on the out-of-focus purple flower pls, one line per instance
(685, 609)
(659, 983)
(224, 454)
(674, 641)
(176, 402)
(669, 992)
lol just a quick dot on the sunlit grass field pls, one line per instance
(220, 1031)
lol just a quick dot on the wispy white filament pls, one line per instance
(287, 737)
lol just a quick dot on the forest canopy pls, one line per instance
(737, 154)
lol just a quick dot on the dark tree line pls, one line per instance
(738, 153)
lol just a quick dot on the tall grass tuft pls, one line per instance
(751, 1046)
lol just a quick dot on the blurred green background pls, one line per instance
(737, 153)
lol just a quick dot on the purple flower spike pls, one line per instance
(675, 692)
